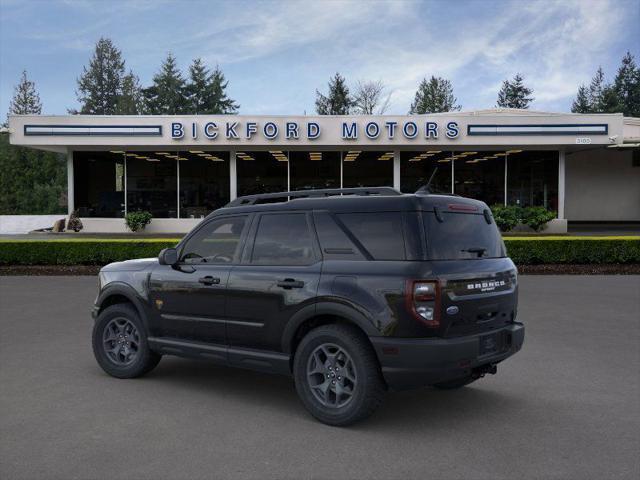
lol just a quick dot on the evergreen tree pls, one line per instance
(338, 101)
(627, 86)
(25, 99)
(581, 104)
(167, 95)
(206, 91)
(219, 102)
(100, 85)
(596, 91)
(433, 96)
(130, 101)
(514, 94)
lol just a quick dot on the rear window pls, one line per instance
(380, 233)
(462, 236)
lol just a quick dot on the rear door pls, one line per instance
(278, 276)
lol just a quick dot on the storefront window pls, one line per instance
(416, 168)
(367, 169)
(152, 183)
(261, 172)
(99, 184)
(204, 182)
(311, 170)
(480, 175)
(532, 178)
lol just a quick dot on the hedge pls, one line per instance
(523, 250)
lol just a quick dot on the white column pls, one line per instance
(341, 168)
(288, 172)
(70, 183)
(561, 177)
(396, 169)
(125, 185)
(177, 188)
(453, 174)
(233, 176)
(506, 169)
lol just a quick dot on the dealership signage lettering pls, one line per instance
(349, 130)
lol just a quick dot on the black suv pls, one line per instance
(350, 291)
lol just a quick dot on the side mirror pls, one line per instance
(168, 256)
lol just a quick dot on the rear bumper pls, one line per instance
(415, 362)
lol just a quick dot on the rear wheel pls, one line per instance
(454, 384)
(120, 343)
(337, 375)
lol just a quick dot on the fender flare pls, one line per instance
(349, 313)
(127, 291)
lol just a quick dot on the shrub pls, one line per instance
(137, 220)
(75, 223)
(536, 217)
(506, 217)
(522, 250)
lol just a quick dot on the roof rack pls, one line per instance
(327, 192)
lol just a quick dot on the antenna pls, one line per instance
(425, 188)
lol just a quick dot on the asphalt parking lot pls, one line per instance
(567, 406)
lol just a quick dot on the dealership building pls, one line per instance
(180, 168)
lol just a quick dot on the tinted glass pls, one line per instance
(261, 172)
(480, 175)
(417, 167)
(379, 233)
(152, 184)
(311, 170)
(204, 182)
(367, 169)
(283, 240)
(216, 243)
(462, 236)
(99, 184)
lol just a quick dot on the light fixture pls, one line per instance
(182, 159)
(315, 156)
(444, 160)
(386, 156)
(196, 151)
(162, 153)
(514, 151)
(500, 154)
(434, 151)
(116, 151)
(152, 159)
(131, 154)
(141, 157)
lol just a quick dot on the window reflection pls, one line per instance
(152, 183)
(261, 172)
(312, 170)
(532, 178)
(417, 167)
(204, 182)
(480, 175)
(99, 184)
(367, 169)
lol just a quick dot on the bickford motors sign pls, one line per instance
(294, 130)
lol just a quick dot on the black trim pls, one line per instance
(95, 134)
(261, 360)
(567, 132)
(192, 318)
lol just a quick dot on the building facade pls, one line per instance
(180, 168)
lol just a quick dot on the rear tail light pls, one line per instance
(423, 301)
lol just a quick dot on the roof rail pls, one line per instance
(327, 192)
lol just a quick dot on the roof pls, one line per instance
(359, 203)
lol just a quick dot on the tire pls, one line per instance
(127, 354)
(455, 384)
(358, 388)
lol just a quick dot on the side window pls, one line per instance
(381, 233)
(216, 243)
(283, 239)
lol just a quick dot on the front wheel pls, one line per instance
(120, 343)
(337, 375)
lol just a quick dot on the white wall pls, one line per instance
(26, 223)
(602, 185)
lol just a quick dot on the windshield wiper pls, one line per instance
(479, 250)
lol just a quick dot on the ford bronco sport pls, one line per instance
(350, 291)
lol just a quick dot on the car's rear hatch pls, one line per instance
(478, 283)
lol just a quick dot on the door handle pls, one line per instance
(209, 280)
(288, 283)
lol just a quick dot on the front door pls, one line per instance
(278, 276)
(189, 298)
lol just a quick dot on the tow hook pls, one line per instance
(483, 370)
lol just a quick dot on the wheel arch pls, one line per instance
(323, 313)
(120, 293)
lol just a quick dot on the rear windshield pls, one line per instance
(461, 236)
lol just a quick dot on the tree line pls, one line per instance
(33, 181)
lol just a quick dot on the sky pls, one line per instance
(275, 54)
